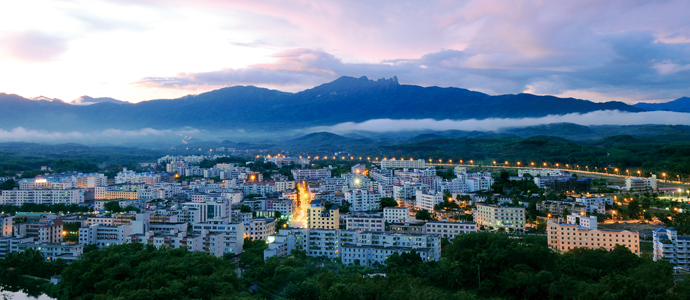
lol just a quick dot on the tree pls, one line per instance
(112, 206)
(388, 202)
(129, 208)
(245, 208)
(423, 215)
(565, 212)
(8, 184)
(634, 209)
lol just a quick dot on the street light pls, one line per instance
(664, 174)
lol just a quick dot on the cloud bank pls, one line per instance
(593, 118)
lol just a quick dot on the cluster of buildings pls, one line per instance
(214, 209)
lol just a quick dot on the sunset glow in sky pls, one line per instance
(135, 50)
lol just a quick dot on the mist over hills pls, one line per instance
(346, 99)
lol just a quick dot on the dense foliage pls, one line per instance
(474, 266)
(134, 271)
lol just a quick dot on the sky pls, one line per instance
(134, 50)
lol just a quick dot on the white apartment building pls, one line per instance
(477, 184)
(541, 172)
(454, 186)
(232, 235)
(594, 203)
(49, 197)
(352, 246)
(363, 200)
(640, 183)
(281, 186)
(407, 191)
(204, 241)
(53, 251)
(385, 190)
(670, 246)
(396, 214)
(401, 164)
(210, 209)
(9, 244)
(365, 223)
(427, 200)
(370, 248)
(258, 188)
(260, 229)
(449, 229)
(310, 174)
(285, 207)
(234, 197)
(497, 216)
(104, 235)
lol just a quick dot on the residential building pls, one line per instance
(358, 169)
(427, 200)
(556, 208)
(567, 236)
(320, 217)
(54, 251)
(640, 183)
(396, 214)
(48, 197)
(260, 229)
(363, 200)
(48, 231)
(497, 216)
(365, 223)
(281, 186)
(477, 184)
(595, 203)
(407, 190)
(401, 164)
(449, 229)
(541, 172)
(104, 235)
(310, 174)
(7, 223)
(670, 246)
(352, 246)
(232, 238)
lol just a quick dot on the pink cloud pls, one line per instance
(32, 46)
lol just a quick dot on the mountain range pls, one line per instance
(679, 105)
(347, 99)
